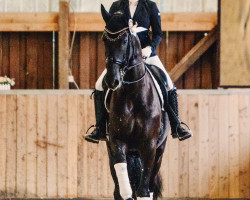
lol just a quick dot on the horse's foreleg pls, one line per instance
(118, 150)
(147, 153)
(117, 195)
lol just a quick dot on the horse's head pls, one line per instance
(122, 48)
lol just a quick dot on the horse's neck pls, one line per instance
(137, 72)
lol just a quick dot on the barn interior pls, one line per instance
(205, 48)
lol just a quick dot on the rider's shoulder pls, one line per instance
(151, 3)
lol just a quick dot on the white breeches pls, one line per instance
(155, 60)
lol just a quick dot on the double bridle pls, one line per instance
(125, 67)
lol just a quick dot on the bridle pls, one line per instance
(125, 67)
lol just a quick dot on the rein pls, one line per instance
(125, 67)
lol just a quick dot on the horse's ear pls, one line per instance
(106, 15)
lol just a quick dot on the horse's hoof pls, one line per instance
(130, 199)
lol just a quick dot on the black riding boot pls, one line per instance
(177, 130)
(99, 132)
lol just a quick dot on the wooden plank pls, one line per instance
(93, 22)
(189, 80)
(234, 146)
(193, 55)
(213, 147)
(3, 146)
(198, 63)
(92, 155)
(183, 151)
(62, 170)
(40, 61)
(72, 146)
(52, 146)
(223, 146)
(93, 61)
(203, 146)
(21, 146)
(170, 21)
(82, 147)
(41, 143)
(172, 56)
(11, 22)
(235, 49)
(5, 55)
(14, 58)
(63, 36)
(206, 70)
(193, 122)
(11, 146)
(31, 146)
(103, 171)
(181, 52)
(31, 59)
(22, 61)
(173, 163)
(84, 61)
(48, 61)
(244, 131)
(75, 59)
(101, 64)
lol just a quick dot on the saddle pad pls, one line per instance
(157, 87)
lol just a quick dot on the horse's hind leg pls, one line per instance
(155, 185)
(147, 153)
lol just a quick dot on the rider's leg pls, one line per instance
(171, 105)
(100, 112)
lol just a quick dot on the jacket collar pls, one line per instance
(125, 6)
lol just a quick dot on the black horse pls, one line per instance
(137, 125)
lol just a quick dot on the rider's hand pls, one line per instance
(146, 52)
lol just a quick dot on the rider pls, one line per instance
(146, 14)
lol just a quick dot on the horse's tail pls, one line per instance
(158, 186)
(134, 170)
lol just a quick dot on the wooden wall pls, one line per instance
(27, 57)
(88, 59)
(235, 43)
(42, 153)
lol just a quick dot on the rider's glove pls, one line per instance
(146, 52)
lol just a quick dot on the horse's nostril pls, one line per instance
(116, 82)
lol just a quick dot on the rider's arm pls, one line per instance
(155, 22)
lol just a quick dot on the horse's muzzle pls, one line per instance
(112, 83)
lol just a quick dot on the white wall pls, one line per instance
(94, 5)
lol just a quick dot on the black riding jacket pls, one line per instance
(146, 15)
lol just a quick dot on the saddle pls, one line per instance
(161, 84)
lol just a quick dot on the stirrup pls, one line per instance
(89, 129)
(186, 136)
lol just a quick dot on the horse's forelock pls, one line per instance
(117, 22)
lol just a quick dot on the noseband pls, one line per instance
(125, 67)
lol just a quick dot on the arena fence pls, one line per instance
(43, 155)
